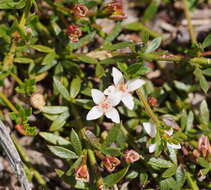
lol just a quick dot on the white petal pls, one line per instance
(134, 84)
(174, 146)
(94, 113)
(97, 96)
(150, 129)
(169, 132)
(128, 101)
(152, 148)
(110, 90)
(113, 115)
(117, 76)
(115, 98)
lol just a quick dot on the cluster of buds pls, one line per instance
(80, 10)
(37, 100)
(74, 32)
(82, 173)
(111, 162)
(115, 8)
(204, 146)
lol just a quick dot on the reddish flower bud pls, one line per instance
(110, 163)
(82, 173)
(204, 146)
(152, 101)
(115, 8)
(131, 156)
(74, 32)
(80, 10)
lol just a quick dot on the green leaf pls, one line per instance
(23, 60)
(11, 4)
(204, 113)
(153, 45)
(115, 32)
(54, 139)
(83, 41)
(49, 58)
(113, 179)
(169, 172)
(59, 122)
(192, 183)
(158, 163)
(207, 41)
(132, 175)
(54, 109)
(207, 72)
(100, 71)
(168, 184)
(62, 152)
(74, 166)
(111, 151)
(47, 67)
(180, 177)
(76, 143)
(137, 69)
(190, 119)
(172, 155)
(42, 48)
(75, 87)
(112, 135)
(203, 162)
(151, 10)
(62, 90)
(202, 80)
(87, 59)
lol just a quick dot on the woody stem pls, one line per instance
(147, 107)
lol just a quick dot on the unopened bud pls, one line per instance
(131, 156)
(37, 101)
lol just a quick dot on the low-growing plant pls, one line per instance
(94, 101)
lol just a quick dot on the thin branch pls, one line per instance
(188, 17)
(13, 156)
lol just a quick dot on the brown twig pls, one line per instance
(13, 156)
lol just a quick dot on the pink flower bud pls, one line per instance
(115, 8)
(74, 32)
(80, 10)
(110, 163)
(204, 146)
(131, 156)
(82, 173)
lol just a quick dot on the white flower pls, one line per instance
(105, 106)
(174, 146)
(123, 90)
(150, 129)
(152, 148)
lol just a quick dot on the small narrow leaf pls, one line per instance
(180, 177)
(54, 109)
(62, 152)
(207, 41)
(54, 139)
(75, 87)
(153, 45)
(62, 90)
(115, 32)
(76, 143)
(204, 113)
(113, 179)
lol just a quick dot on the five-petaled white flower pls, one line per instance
(123, 90)
(151, 130)
(105, 106)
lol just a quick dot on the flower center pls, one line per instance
(122, 87)
(106, 105)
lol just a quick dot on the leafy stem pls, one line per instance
(147, 107)
(9, 104)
